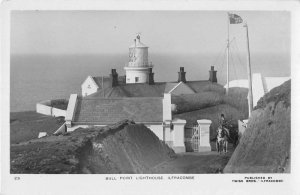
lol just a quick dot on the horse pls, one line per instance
(222, 140)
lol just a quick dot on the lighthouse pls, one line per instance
(138, 69)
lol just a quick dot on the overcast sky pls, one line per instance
(94, 32)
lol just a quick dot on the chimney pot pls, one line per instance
(114, 78)
(213, 75)
(181, 75)
(150, 80)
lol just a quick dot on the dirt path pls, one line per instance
(195, 163)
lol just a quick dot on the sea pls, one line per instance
(34, 78)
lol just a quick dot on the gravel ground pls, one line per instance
(195, 163)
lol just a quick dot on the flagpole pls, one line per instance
(227, 88)
(250, 94)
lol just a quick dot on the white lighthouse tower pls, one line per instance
(138, 68)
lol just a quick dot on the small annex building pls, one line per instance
(93, 84)
(153, 112)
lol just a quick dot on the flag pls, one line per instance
(234, 19)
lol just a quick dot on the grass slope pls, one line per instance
(25, 126)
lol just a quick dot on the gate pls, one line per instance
(195, 141)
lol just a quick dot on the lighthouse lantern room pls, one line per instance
(138, 68)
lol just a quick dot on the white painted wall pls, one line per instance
(257, 87)
(71, 109)
(74, 127)
(70, 129)
(167, 107)
(138, 57)
(178, 135)
(132, 73)
(262, 85)
(168, 133)
(272, 82)
(45, 108)
(204, 125)
(157, 130)
(58, 112)
(89, 86)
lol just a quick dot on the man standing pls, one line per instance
(223, 123)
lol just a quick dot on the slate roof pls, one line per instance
(133, 90)
(108, 111)
(156, 90)
(204, 85)
(107, 81)
(170, 86)
(98, 81)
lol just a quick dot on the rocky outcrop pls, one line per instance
(266, 144)
(122, 148)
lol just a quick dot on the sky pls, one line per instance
(165, 32)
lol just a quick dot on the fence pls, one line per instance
(192, 138)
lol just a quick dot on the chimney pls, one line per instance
(114, 78)
(181, 75)
(213, 75)
(150, 80)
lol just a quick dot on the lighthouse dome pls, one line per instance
(138, 43)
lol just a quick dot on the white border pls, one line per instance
(95, 184)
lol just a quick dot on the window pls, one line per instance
(89, 86)
(136, 79)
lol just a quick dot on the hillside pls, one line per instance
(25, 126)
(121, 148)
(266, 144)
